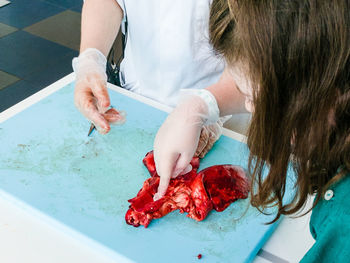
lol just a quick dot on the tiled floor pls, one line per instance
(5, 29)
(55, 28)
(38, 39)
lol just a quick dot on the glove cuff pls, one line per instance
(212, 115)
(90, 60)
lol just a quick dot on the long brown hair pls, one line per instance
(297, 54)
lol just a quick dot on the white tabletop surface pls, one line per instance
(25, 237)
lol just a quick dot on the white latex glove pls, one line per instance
(91, 95)
(177, 139)
(209, 135)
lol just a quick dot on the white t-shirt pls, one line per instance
(168, 48)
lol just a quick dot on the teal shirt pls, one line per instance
(330, 225)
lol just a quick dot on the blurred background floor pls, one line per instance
(38, 39)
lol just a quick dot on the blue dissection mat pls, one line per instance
(48, 162)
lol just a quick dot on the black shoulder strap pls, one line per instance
(112, 68)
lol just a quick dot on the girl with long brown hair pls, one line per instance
(296, 55)
(288, 62)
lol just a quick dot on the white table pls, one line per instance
(26, 238)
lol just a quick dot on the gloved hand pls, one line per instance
(177, 139)
(91, 95)
(209, 135)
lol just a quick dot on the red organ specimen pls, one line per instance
(215, 187)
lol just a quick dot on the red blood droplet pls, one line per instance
(199, 256)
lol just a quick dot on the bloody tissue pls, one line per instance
(215, 187)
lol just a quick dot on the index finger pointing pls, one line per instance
(163, 186)
(164, 166)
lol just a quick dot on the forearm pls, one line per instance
(229, 98)
(100, 24)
